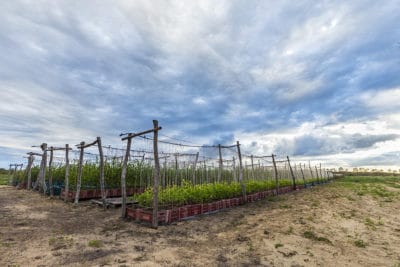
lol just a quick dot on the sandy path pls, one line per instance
(38, 231)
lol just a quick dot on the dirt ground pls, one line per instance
(323, 226)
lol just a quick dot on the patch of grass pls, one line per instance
(360, 243)
(311, 235)
(376, 186)
(95, 243)
(289, 231)
(370, 223)
(278, 245)
(285, 206)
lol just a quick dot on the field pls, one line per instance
(353, 221)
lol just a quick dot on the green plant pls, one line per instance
(95, 243)
(311, 235)
(360, 243)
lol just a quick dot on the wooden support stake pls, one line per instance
(302, 174)
(66, 192)
(194, 168)
(234, 169)
(320, 171)
(311, 172)
(292, 174)
(80, 166)
(156, 175)
(123, 176)
(252, 167)
(275, 175)
(164, 176)
(51, 172)
(316, 171)
(176, 169)
(43, 170)
(219, 163)
(103, 191)
(30, 163)
(244, 193)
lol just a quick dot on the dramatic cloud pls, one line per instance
(315, 80)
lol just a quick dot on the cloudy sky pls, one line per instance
(316, 80)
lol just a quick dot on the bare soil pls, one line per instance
(323, 226)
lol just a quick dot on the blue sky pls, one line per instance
(314, 80)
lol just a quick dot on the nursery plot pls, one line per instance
(349, 222)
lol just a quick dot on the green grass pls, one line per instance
(311, 235)
(360, 243)
(383, 187)
(95, 243)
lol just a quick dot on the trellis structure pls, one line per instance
(158, 170)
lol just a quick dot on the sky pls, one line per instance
(316, 80)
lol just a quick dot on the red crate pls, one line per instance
(196, 209)
(131, 213)
(183, 212)
(146, 216)
(205, 208)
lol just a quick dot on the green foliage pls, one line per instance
(95, 243)
(360, 243)
(311, 235)
(376, 186)
(204, 193)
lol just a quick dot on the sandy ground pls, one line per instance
(323, 226)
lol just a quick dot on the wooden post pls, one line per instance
(164, 178)
(302, 174)
(176, 168)
(316, 171)
(123, 176)
(219, 163)
(292, 174)
(194, 168)
(80, 166)
(66, 192)
(156, 175)
(234, 169)
(43, 176)
(276, 175)
(311, 172)
(320, 171)
(252, 167)
(30, 163)
(51, 172)
(103, 191)
(241, 172)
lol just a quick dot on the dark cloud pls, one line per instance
(215, 70)
(312, 145)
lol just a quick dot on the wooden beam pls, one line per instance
(244, 193)
(66, 189)
(132, 135)
(219, 163)
(275, 175)
(194, 168)
(80, 166)
(292, 173)
(123, 176)
(103, 192)
(51, 172)
(156, 175)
